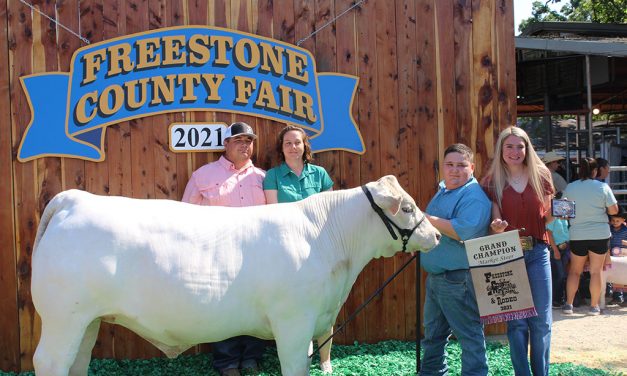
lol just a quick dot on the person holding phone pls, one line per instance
(589, 232)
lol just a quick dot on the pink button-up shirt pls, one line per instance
(220, 184)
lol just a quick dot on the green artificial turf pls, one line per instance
(384, 358)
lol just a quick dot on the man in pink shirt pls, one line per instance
(231, 181)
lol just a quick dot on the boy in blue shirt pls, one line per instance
(460, 210)
(618, 240)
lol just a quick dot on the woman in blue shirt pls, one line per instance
(294, 179)
(589, 232)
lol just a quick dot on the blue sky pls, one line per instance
(522, 10)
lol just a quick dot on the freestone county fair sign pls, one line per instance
(185, 69)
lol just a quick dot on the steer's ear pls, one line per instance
(386, 194)
(393, 204)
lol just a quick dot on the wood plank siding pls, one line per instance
(431, 72)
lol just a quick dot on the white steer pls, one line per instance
(180, 274)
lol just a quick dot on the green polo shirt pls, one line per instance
(290, 188)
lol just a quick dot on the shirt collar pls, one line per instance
(470, 181)
(229, 166)
(285, 170)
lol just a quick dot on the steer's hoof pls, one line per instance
(326, 367)
(230, 372)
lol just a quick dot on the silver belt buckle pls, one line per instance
(526, 242)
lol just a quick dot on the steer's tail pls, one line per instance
(52, 207)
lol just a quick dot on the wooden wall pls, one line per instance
(432, 72)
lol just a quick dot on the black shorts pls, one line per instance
(581, 247)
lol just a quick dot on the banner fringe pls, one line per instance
(508, 316)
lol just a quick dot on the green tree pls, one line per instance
(600, 11)
(540, 12)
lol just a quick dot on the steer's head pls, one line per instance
(401, 208)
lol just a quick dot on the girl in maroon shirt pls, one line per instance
(521, 188)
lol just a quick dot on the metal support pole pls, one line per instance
(546, 120)
(589, 115)
(418, 325)
(568, 161)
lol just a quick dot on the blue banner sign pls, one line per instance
(185, 69)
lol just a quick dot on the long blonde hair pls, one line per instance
(538, 174)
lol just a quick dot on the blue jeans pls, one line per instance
(237, 352)
(451, 307)
(534, 332)
(558, 275)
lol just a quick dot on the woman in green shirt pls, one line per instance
(296, 178)
(293, 180)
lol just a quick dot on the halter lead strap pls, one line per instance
(405, 235)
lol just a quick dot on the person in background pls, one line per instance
(589, 232)
(604, 169)
(618, 240)
(294, 179)
(519, 185)
(603, 172)
(233, 181)
(460, 210)
(557, 230)
(552, 162)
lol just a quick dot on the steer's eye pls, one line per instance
(408, 209)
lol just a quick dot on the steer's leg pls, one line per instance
(58, 345)
(325, 351)
(292, 343)
(81, 364)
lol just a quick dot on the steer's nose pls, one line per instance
(438, 236)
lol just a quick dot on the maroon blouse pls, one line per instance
(522, 210)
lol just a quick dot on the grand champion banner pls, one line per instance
(178, 69)
(499, 275)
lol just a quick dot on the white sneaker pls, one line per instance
(567, 309)
(594, 311)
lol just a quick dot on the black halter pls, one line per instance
(405, 233)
